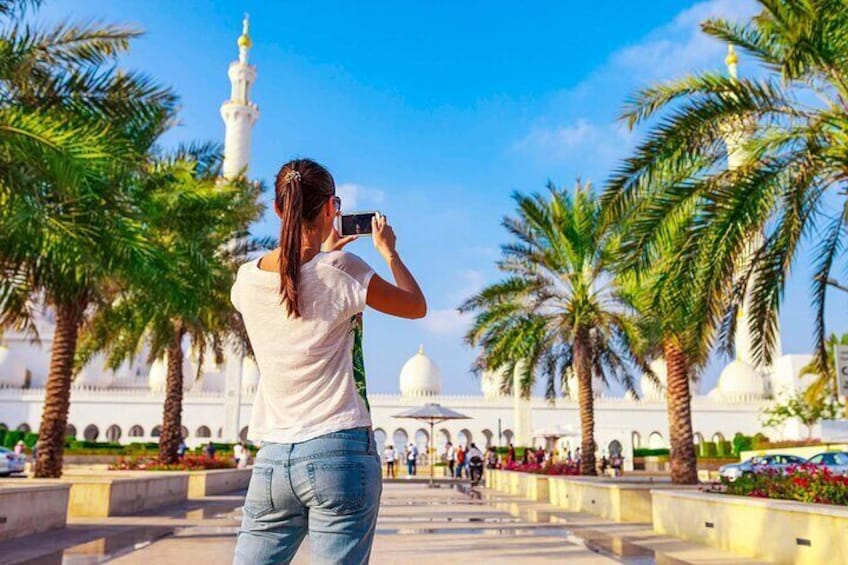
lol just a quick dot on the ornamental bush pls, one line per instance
(187, 463)
(804, 483)
(545, 469)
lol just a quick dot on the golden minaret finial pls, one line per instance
(244, 38)
(731, 60)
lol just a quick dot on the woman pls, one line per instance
(318, 471)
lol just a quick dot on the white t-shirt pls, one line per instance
(390, 455)
(451, 453)
(306, 386)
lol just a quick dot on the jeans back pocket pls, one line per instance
(259, 500)
(339, 487)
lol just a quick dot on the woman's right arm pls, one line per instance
(403, 299)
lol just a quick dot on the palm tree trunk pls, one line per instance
(57, 398)
(171, 435)
(684, 466)
(583, 372)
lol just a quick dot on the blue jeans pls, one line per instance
(328, 487)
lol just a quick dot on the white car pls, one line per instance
(779, 463)
(11, 462)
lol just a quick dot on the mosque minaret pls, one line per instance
(239, 112)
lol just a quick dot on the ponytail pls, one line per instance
(302, 187)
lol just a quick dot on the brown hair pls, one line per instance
(302, 188)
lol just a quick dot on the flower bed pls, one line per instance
(805, 483)
(187, 463)
(544, 469)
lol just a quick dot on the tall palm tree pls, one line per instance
(71, 127)
(558, 311)
(190, 217)
(783, 134)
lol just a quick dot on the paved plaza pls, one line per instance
(416, 525)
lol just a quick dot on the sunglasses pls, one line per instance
(337, 203)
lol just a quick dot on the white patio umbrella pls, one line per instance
(434, 414)
(555, 432)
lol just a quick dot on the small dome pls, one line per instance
(12, 369)
(420, 376)
(572, 387)
(740, 381)
(630, 395)
(158, 377)
(95, 373)
(490, 383)
(715, 394)
(249, 373)
(651, 390)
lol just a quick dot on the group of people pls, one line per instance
(241, 454)
(391, 457)
(461, 459)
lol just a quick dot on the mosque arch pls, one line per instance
(422, 441)
(636, 439)
(183, 432)
(220, 433)
(488, 435)
(698, 438)
(441, 441)
(71, 431)
(400, 439)
(24, 428)
(656, 441)
(718, 437)
(90, 433)
(380, 440)
(156, 431)
(203, 431)
(464, 437)
(113, 433)
(508, 436)
(243, 434)
(136, 431)
(614, 448)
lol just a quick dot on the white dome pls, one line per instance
(573, 388)
(651, 390)
(420, 376)
(95, 373)
(740, 381)
(715, 394)
(158, 377)
(630, 395)
(249, 373)
(12, 369)
(490, 383)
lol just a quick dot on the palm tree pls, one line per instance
(71, 126)
(558, 310)
(190, 216)
(738, 228)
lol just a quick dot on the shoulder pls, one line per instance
(348, 263)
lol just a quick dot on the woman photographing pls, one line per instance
(318, 470)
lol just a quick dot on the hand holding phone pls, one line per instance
(357, 223)
(383, 236)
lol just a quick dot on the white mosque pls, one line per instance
(126, 405)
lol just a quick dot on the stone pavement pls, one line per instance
(416, 525)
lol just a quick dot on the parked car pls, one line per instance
(835, 461)
(759, 464)
(11, 462)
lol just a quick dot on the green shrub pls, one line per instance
(3, 436)
(759, 441)
(12, 438)
(30, 439)
(648, 452)
(724, 449)
(708, 450)
(742, 443)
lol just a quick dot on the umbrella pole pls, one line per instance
(430, 449)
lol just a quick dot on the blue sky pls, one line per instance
(433, 113)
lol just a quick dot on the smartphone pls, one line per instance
(357, 223)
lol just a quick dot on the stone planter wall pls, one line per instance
(527, 485)
(777, 531)
(98, 496)
(218, 481)
(32, 508)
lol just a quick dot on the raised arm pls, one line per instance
(403, 299)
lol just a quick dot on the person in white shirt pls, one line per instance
(389, 454)
(450, 455)
(238, 452)
(318, 471)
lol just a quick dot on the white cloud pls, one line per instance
(446, 322)
(472, 282)
(558, 141)
(358, 197)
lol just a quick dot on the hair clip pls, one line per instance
(292, 175)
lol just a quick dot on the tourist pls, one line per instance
(510, 454)
(577, 456)
(460, 461)
(20, 448)
(238, 453)
(617, 465)
(302, 307)
(411, 459)
(540, 455)
(389, 454)
(474, 464)
(245, 456)
(450, 455)
(182, 448)
(603, 464)
(210, 450)
(492, 458)
(525, 457)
